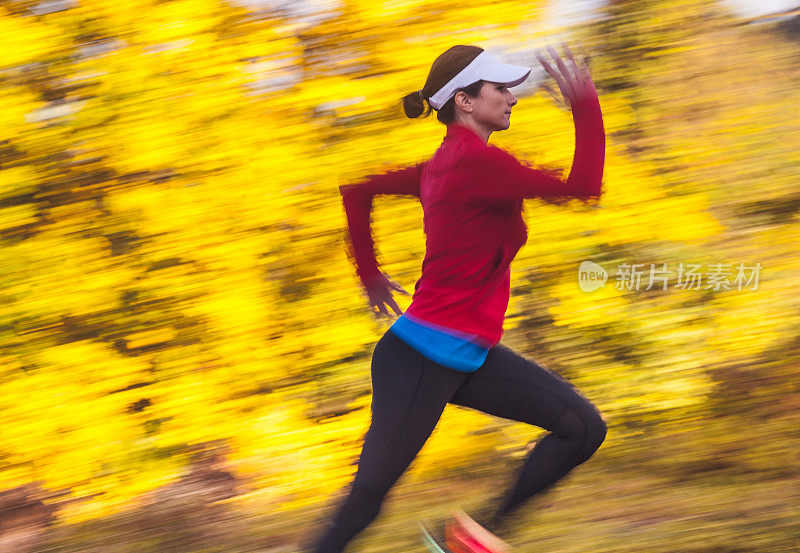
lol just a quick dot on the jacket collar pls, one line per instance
(459, 132)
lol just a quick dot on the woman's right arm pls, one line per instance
(502, 176)
(357, 200)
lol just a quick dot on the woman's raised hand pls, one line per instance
(379, 292)
(572, 78)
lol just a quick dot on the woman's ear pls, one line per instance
(463, 101)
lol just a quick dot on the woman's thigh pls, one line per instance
(511, 386)
(409, 393)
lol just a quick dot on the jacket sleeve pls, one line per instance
(357, 200)
(496, 174)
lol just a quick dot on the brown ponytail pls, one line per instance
(414, 105)
(444, 68)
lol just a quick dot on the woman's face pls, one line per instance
(492, 107)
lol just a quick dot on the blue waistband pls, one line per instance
(442, 345)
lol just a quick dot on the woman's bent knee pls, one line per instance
(596, 431)
(585, 428)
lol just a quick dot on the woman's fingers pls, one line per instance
(394, 306)
(576, 70)
(380, 298)
(562, 83)
(568, 77)
(585, 58)
(581, 73)
(571, 77)
(397, 288)
(553, 73)
(547, 67)
(379, 309)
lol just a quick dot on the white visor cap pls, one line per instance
(485, 67)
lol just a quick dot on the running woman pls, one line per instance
(445, 347)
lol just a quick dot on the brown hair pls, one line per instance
(444, 68)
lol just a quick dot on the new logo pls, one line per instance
(591, 276)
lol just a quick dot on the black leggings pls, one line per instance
(409, 393)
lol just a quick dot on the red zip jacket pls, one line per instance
(471, 195)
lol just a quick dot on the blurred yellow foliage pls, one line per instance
(173, 264)
(26, 41)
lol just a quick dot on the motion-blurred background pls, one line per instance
(184, 349)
